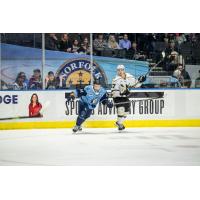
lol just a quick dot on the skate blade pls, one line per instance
(77, 132)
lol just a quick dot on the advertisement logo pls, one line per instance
(78, 72)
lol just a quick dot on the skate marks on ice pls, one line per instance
(136, 146)
(19, 163)
(113, 134)
(104, 132)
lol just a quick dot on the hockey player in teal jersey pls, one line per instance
(90, 96)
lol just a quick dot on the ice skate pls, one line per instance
(120, 126)
(77, 128)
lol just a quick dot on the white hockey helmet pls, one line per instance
(121, 67)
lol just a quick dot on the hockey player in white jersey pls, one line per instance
(120, 93)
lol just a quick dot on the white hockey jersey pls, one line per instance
(120, 85)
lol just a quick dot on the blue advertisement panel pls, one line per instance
(70, 68)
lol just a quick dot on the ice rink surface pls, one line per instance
(134, 146)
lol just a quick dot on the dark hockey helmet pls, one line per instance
(97, 81)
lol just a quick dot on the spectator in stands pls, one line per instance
(85, 47)
(131, 53)
(75, 46)
(65, 44)
(171, 36)
(172, 61)
(112, 44)
(19, 83)
(4, 86)
(186, 77)
(134, 54)
(177, 73)
(180, 38)
(35, 81)
(159, 37)
(193, 38)
(183, 76)
(51, 42)
(197, 81)
(99, 44)
(50, 81)
(150, 43)
(141, 41)
(166, 41)
(172, 47)
(125, 43)
(25, 80)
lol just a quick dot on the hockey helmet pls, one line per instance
(97, 81)
(121, 67)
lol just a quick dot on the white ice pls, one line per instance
(135, 146)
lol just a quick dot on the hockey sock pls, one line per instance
(79, 121)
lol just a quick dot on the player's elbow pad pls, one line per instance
(81, 92)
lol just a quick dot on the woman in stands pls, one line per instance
(112, 44)
(75, 46)
(20, 82)
(35, 106)
(85, 47)
(51, 82)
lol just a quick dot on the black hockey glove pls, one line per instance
(105, 101)
(142, 78)
(71, 97)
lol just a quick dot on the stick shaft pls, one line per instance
(138, 100)
(19, 117)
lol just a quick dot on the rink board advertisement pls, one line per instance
(72, 67)
(148, 108)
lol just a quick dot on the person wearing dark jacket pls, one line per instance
(35, 81)
(172, 47)
(65, 44)
(51, 42)
(134, 54)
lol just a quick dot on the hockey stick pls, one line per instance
(46, 105)
(17, 117)
(153, 98)
(150, 69)
(148, 97)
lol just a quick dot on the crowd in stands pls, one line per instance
(179, 49)
(139, 46)
(35, 82)
(66, 44)
(143, 44)
(54, 82)
(22, 83)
